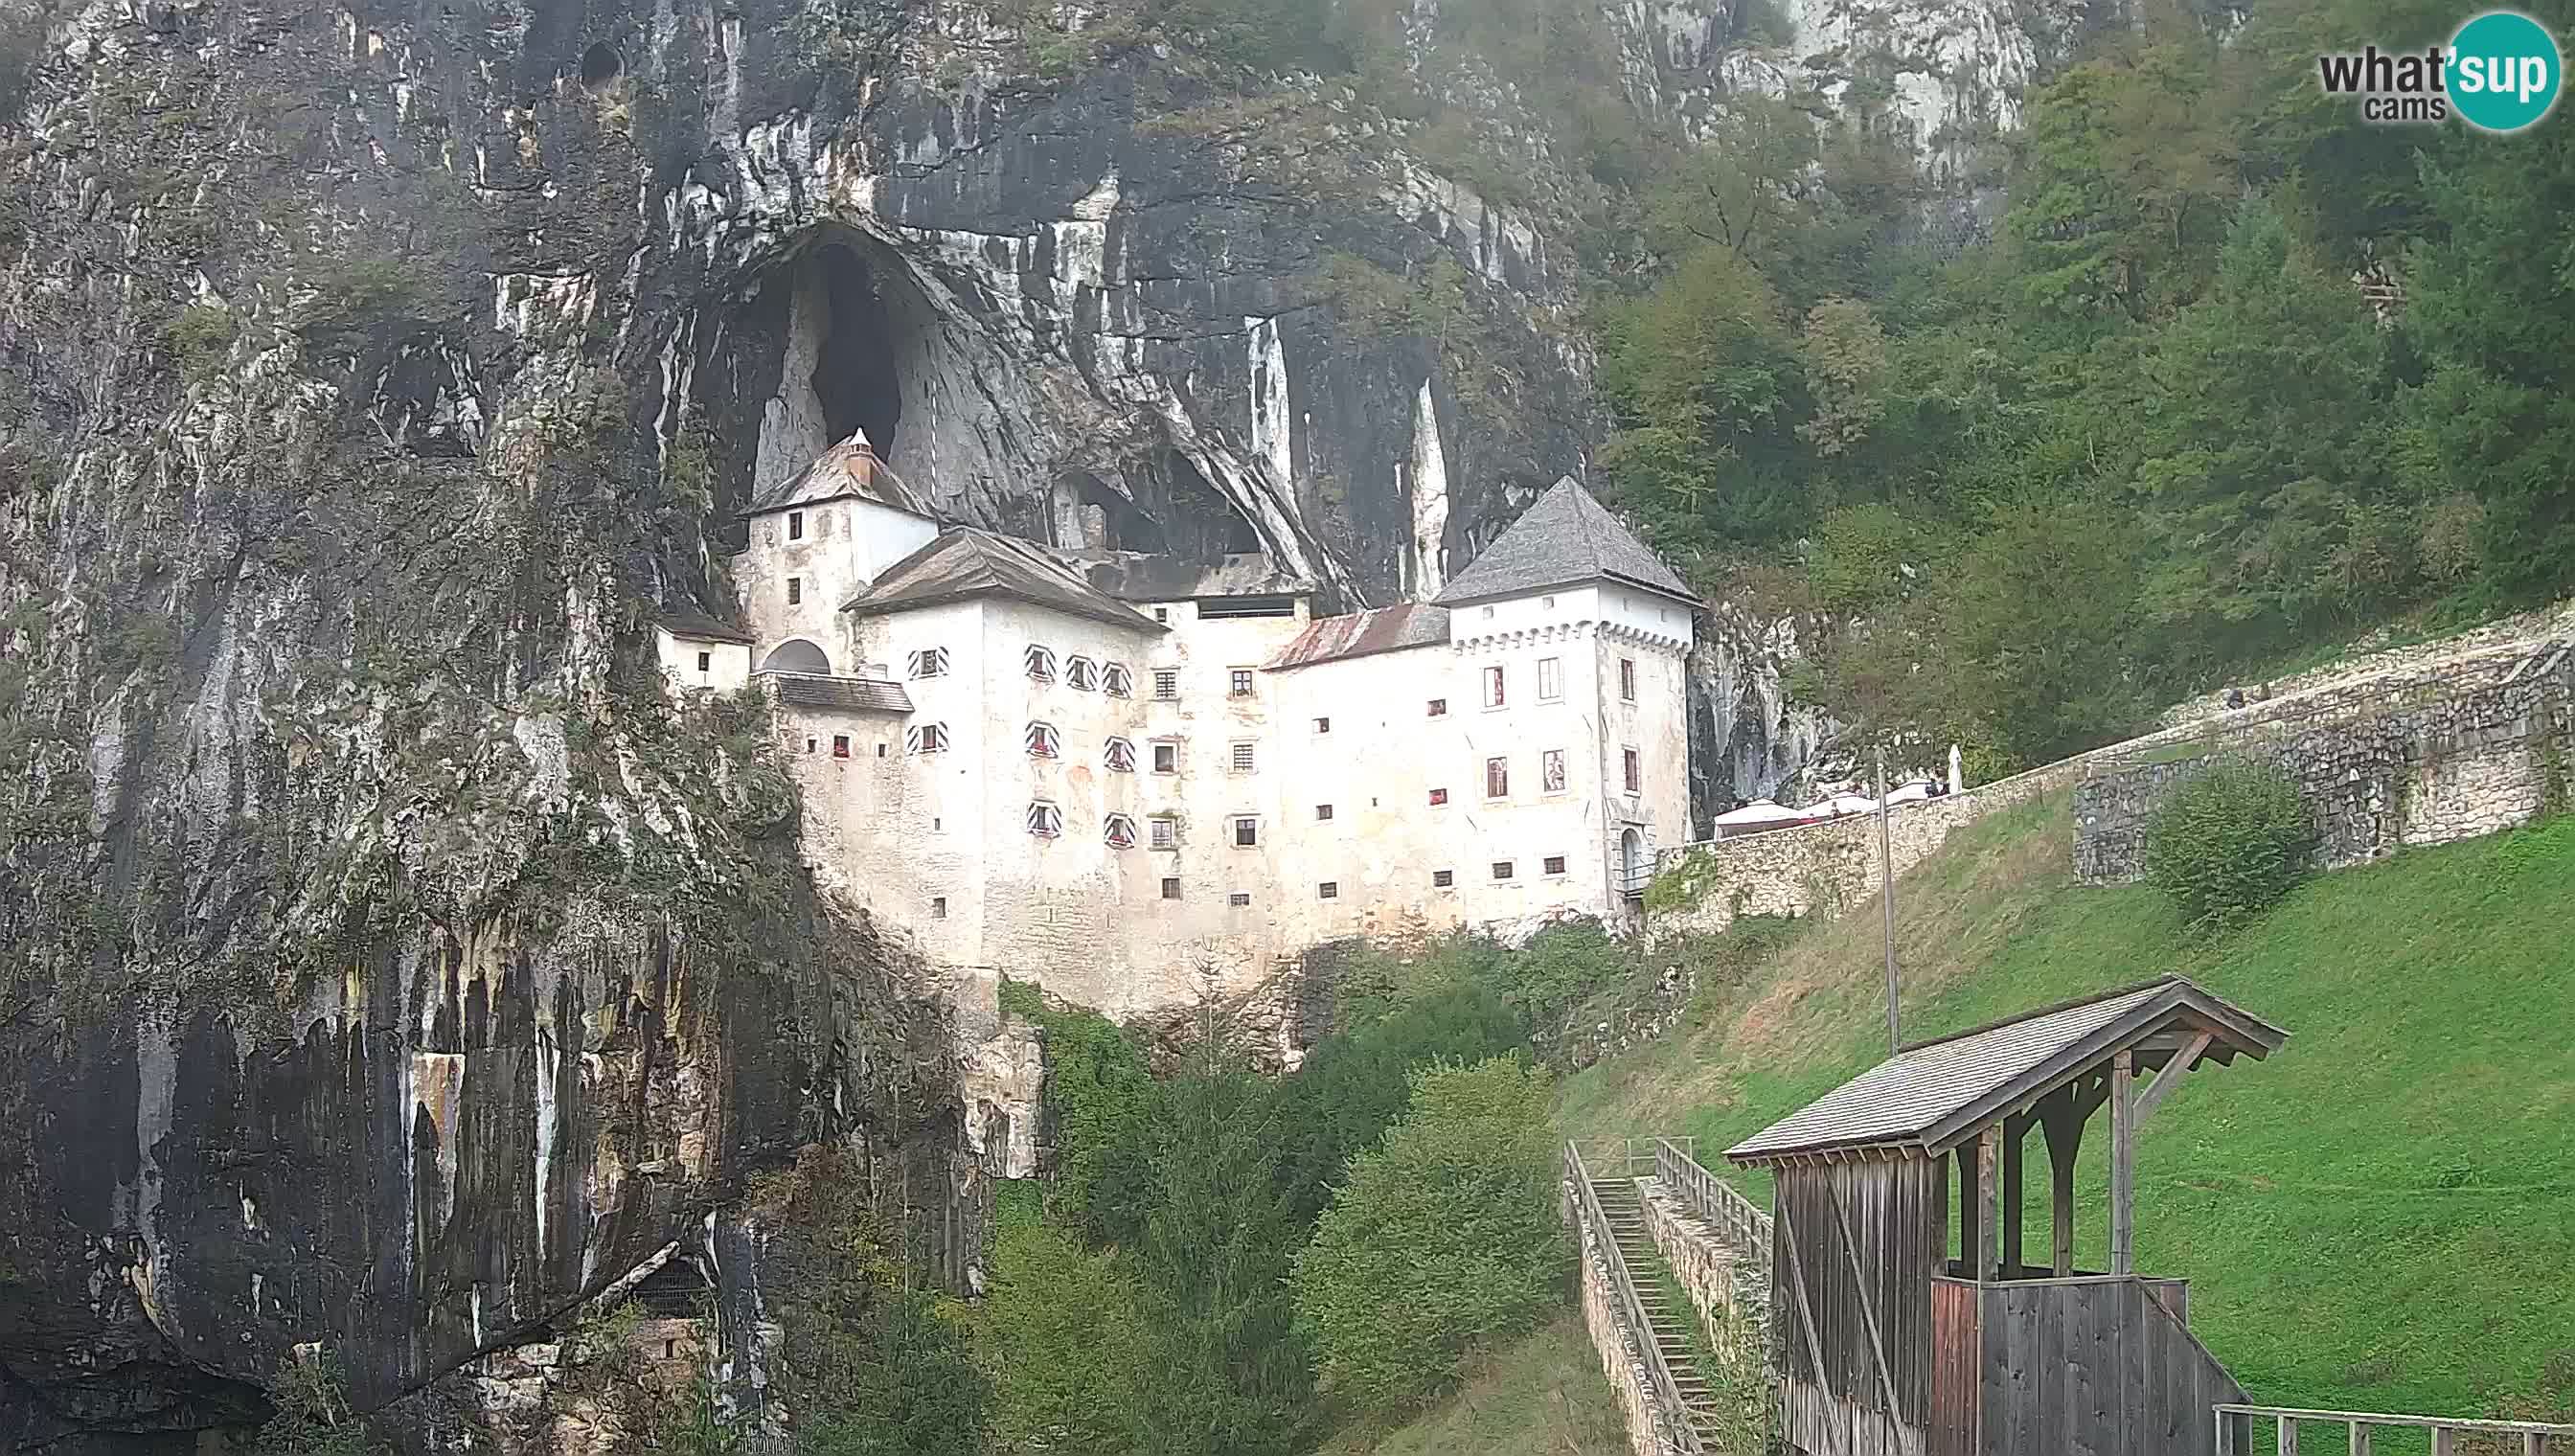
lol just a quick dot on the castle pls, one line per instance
(1137, 781)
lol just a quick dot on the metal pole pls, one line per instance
(1887, 897)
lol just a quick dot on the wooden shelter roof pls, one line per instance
(1933, 1096)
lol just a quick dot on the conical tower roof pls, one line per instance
(1566, 540)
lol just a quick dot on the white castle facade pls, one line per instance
(1137, 782)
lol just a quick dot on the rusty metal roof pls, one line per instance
(1379, 629)
(1564, 539)
(839, 695)
(1935, 1095)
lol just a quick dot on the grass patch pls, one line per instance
(1540, 1395)
(2379, 1217)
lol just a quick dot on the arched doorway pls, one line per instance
(795, 654)
(1631, 863)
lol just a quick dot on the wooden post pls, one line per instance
(2063, 1121)
(2015, 1140)
(1887, 896)
(2359, 1438)
(1967, 1234)
(2124, 1168)
(2288, 1425)
(2445, 1442)
(1989, 1146)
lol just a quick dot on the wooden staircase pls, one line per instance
(1669, 1324)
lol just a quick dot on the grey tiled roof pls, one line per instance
(1934, 1095)
(1564, 539)
(842, 694)
(963, 563)
(850, 468)
(688, 622)
(1383, 630)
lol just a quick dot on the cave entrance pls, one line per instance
(1092, 515)
(1202, 523)
(857, 377)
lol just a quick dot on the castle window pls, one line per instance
(1329, 890)
(1079, 674)
(1635, 772)
(927, 663)
(1550, 770)
(1501, 870)
(1167, 758)
(1167, 685)
(1238, 681)
(1119, 755)
(1246, 833)
(1322, 812)
(1170, 887)
(1550, 680)
(1322, 725)
(1043, 742)
(1546, 604)
(1438, 708)
(926, 737)
(1242, 756)
(1439, 796)
(1497, 778)
(1162, 614)
(1166, 832)
(809, 745)
(1493, 693)
(1044, 819)
(1115, 681)
(795, 525)
(881, 749)
(1039, 663)
(839, 745)
(706, 662)
(794, 590)
(1237, 900)
(1442, 879)
(939, 907)
(1119, 831)
(1627, 679)
(1555, 865)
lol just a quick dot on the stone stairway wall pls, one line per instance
(1729, 1285)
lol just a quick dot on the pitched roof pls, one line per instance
(1565, 539)
(1359, 634)
(845, 695)
(1935, 1095)
(848, 469)
(690, 623)
(963, 563)
(1146, 576)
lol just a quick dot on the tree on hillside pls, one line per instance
(1444, 1237)
(1067, 1342)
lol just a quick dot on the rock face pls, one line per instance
(386, 962)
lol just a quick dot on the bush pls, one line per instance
(2229, 843)
(1444, 1237)
(1066, 1339)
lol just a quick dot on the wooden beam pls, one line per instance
(2016, 1135)
(1787, 1228)
(2288, 1436)
(1989, 1146)
(1967, 1209)
(2063, 1118)
(2445, 1442)
(2172, 1073)
(1867, 1307)
(2123, 1172)
(2359, 1438)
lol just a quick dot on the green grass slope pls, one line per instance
(2379, 1217)
(1542, 1395)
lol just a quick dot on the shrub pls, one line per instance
(1064, 1336)
(2229, 843)
(201, 341)
(1444, 1237)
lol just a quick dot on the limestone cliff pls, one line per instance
(385, 961)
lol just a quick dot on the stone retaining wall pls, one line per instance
(1623, 1357)
(1729, 1287)
(2444, 753)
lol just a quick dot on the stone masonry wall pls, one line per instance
(2422, 759)
(1622, 1359)
(1730, 1286)
(2441, 771)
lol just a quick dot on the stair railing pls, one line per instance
(1746, 1224)
(1622, 1283)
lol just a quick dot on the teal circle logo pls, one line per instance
(2503, 73)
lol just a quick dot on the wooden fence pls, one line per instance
(2235, 1430)
(1746, 1224)
(1631, 1309)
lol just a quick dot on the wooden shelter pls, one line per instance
(1892, 1345)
